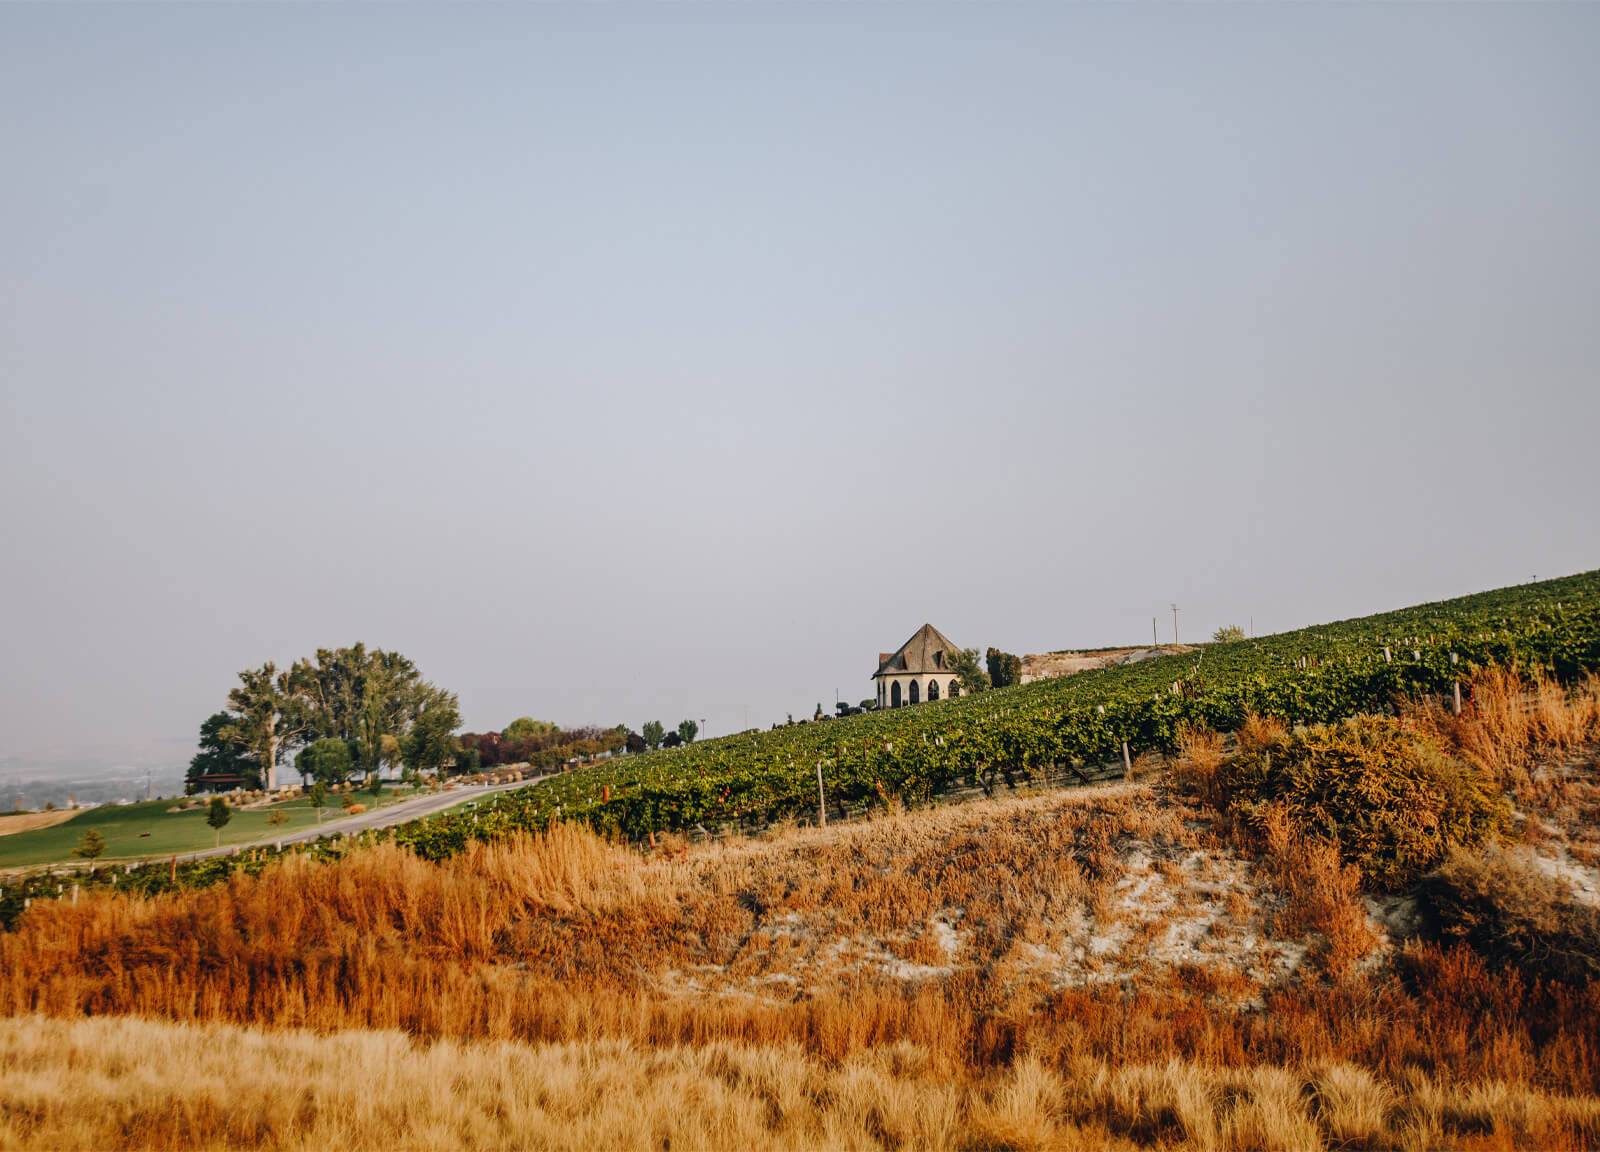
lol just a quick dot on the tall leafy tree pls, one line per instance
(221, 760)
(265, 719)
(527, 728)
(688, 730)
(969, 671)
(327, 692)
(390, 686)
(430, 744)
(653, 733)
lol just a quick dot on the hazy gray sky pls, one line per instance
(629, 362)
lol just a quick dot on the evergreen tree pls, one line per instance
(222, 762)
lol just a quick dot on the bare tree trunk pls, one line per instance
(272, 764)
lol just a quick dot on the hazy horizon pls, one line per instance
(622, 363)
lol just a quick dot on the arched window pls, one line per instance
(894, 694)
(955, 689)
(913, 692)
(933, 690)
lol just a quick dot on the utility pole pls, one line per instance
(1155, 641)
(1174, 625)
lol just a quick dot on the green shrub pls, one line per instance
(1395, 802)
(326, 760)
(1512, 915)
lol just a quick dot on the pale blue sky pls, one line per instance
(634, 362)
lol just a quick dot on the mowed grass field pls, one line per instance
(152, 829)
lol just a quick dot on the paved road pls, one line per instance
(398, 813)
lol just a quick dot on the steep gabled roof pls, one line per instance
(928, 650)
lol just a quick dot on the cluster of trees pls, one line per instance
(544, 745)
(655, 735)
(347, 711)
(1004, 668)
(537, 743)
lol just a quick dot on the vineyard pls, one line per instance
(911, 754)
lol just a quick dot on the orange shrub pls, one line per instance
(1391, 799)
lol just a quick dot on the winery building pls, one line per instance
(920, 669)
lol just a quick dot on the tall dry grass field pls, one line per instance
(136, 1083)
(1113, 966)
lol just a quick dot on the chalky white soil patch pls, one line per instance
(1170, 908)
(1171, 911)
(1582, 879)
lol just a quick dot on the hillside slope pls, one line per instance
(909, 754)
(1118, 966)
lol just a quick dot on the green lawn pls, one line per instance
(149, 829)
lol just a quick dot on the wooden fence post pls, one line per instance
(1456, 692)
(1127, 761)
(822, 800)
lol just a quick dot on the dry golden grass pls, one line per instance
(125, 1083)
(1258, 732)
(13, 823)
(1514, 724)
(1200, 753)
(1323, 895)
